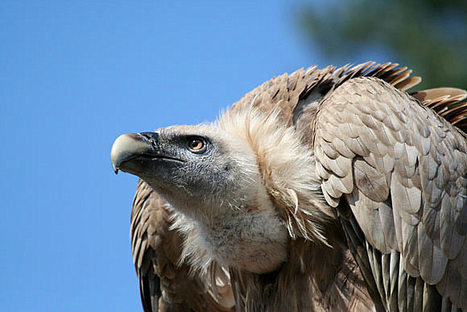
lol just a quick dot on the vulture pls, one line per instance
(322, 190)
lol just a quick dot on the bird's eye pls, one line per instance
(196, 145)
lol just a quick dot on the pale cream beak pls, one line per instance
(126, 147)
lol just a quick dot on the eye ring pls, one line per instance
(196, 145)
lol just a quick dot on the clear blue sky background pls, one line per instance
(76, 74)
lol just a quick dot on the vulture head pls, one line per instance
(225, 181)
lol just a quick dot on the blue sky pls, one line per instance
(76, 74)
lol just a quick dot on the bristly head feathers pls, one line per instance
(287, 169)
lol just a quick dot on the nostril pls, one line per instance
(146, 135)
(152, 137)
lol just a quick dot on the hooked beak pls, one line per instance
(131, 146)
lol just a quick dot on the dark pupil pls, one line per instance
(196, 144)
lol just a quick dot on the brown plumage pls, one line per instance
(327, 189)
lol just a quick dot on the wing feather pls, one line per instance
(408, 168)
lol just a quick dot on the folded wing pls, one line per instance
(402, 171)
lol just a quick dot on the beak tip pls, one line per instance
(115, 168)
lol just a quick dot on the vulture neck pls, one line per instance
(246, 234)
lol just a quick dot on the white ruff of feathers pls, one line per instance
(287, 168)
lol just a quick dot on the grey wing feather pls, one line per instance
(403, 171)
